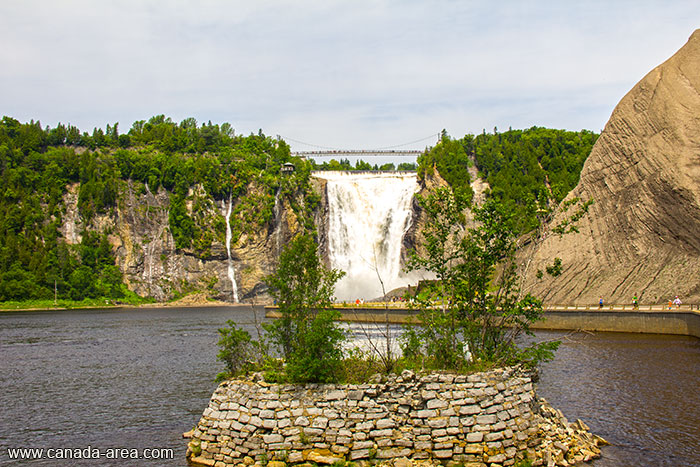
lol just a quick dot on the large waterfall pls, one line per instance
(368, 215)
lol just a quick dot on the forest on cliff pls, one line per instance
(37, 165)
(527, 170)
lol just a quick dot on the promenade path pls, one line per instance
(646, 319)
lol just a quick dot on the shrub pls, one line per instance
(306, 334)
(317, 354)
(236, 350)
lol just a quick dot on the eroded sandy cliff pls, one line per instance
(642, 234)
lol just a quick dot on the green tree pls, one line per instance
(474, 298)
(38, 165)
(440, 328)
(237, 350)
(528, 171)
(406, 166)
(451, 161)
(307, 334)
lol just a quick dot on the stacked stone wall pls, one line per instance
(486, 418)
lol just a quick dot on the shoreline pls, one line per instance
(186, 302)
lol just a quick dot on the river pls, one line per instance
(138, 378)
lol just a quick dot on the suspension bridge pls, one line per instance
(388, 151)
(338, 153)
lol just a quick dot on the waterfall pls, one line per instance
(368, 215)
(231, 271)
(277, 212)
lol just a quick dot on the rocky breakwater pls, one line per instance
(486, 419)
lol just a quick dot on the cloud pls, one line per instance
(340, 74)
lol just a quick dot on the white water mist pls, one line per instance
(368, 215)
(231, 271)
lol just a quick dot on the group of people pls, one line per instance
(676, 301)
(635, 303)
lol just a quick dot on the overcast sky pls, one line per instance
(341, 74)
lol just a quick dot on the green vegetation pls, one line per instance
(472, 313)
(555, 269)
(568, 224)
(529, 171)
(238, 351)
(195, 164)
(344, 164)
(452, 162)
(49, 304)
(307, 335)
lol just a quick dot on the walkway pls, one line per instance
(361, 153)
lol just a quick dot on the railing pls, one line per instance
(546, 307)
(328, 173)
(360, 152)
(616, 307)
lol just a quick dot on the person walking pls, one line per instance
(635, 303)
(600, 303)
(677, 302)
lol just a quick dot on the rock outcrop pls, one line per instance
(412, 239)
(641, 236)
(152, 265)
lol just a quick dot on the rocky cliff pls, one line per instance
(152, 266)
(641, 236)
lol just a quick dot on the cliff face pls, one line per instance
(151, 264)
(431, 181)
(412, 240)
(642, 234)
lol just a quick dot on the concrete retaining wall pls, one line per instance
(685, 323)
(653, 321)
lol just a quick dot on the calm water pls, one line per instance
(639, 392)
(139, 378)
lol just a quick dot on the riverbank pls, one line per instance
(61, 305)
(189, 301)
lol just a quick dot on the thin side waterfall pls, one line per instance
(277, 212)
(231, 271)
(368, 215)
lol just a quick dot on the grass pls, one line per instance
(29, 305)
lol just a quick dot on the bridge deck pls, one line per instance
(361, 152)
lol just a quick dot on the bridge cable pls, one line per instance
(406, 144)
(330, 148)
(309, 144)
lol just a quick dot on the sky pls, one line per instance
(334, 74)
